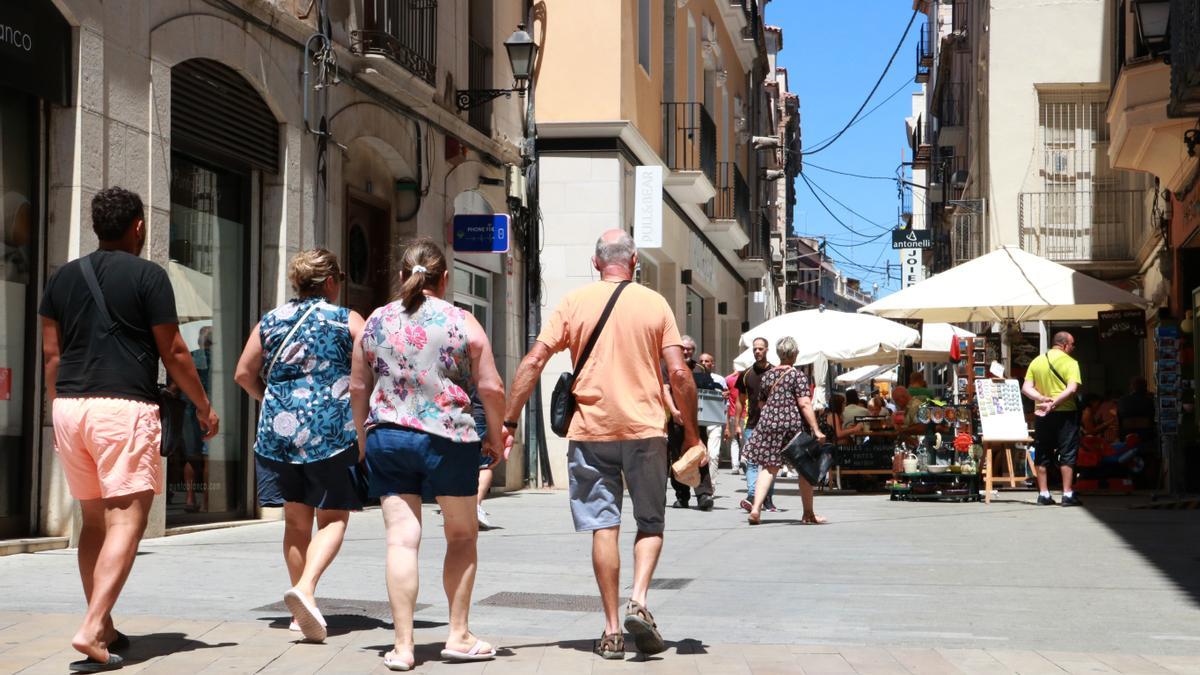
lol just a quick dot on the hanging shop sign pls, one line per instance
(912, 267)
(1122, 323)
(476, 233)
(918, 239)
(648, 207)
(35, 49)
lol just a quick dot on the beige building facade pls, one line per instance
(681, 99)
(251, 129)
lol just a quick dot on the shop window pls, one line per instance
(18, 285)
(209, 270)
(695, 317)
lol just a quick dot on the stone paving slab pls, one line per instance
(248, 647)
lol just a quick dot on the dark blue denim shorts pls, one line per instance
(406, 462)
(332, 483)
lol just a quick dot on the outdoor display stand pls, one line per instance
(1002, 423)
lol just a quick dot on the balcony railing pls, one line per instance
(479, 76)
(952, 105)
(402, 30)
(750, 7)
(968, 237)
(1185, 59)
(1084, 226)
(690, 139)
(944, 169)
(759, 247)
(922, 142)
(925, 52)
(732, 201)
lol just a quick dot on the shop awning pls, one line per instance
(867, 374)
(1008, 284)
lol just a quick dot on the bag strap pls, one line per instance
(89, 275)
(1050, 364)
(587, 350)
(287, 338)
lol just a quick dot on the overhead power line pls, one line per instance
(903, 85)
(875, 88)
(867, 238)
(843, 205)
(847, 173)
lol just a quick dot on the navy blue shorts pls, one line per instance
(407, 462)
(334, 483)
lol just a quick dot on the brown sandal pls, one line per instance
(611, 646)
(640, 623)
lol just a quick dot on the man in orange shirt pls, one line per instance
(619, 425)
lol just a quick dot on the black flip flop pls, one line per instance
(119, 643)
(90, 665)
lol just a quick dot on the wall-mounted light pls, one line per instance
(408, 199)
(1191, 138)
(522, 56)
(722, 308)
(685, 277)
(1153, 23)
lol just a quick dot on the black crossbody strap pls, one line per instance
(89, 275)
(587, 350)
(1060, 377)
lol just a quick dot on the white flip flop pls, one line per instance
(473, 655)
(312, 624)
(391, 661)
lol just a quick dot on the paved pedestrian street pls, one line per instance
(886, 587)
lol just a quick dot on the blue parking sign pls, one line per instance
(476, 233)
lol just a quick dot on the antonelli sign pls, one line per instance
(920, 239)
(1122, 323)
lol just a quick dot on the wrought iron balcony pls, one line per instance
(922, 142)
(968, 237)
(959, 16)
(925, 52)
(750, 7)
(952, 105)
(1185, 59)
(1101, 225)
(404, 31)
(732, 201)
(690, 139)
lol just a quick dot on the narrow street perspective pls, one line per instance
(557, 336)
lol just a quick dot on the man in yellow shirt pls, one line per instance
(1052, 381)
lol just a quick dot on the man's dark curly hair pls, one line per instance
(114, 211)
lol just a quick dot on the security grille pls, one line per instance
(217, 114)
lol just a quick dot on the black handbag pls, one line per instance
(170, 405)
(810, 458)
(562, 401)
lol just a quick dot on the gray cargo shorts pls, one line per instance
(596, 467)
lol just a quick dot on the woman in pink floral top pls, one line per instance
(417, 358)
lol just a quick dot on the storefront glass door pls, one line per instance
(18, 282)
(209, 270)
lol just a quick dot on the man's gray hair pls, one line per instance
(787, 350)
(618, 252)
(687, 340)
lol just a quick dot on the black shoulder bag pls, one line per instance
(170, 405)
(562, 401)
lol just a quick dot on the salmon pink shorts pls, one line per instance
(108, 447)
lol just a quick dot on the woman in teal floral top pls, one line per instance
(297, 362)
(418, 358)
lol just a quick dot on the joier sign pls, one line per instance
(912, 269)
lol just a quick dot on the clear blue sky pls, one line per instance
(833, 54)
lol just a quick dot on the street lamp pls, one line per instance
(522, 56)
(1153, 22)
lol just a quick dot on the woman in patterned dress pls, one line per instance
(786, 411)
(414, 366)
(297, 362)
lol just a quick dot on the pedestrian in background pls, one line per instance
(297, 362)
(787, 410)
(750, 384)
(733, 423)
(714, 437)
(617, 437)
(1052, 380)
(415, 363)
(107, 320)
(675, 442)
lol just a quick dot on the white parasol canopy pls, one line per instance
(869, 373)
(825, 335)
(193, 292)
(1008, 284)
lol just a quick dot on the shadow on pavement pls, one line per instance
(684, 646)
(1165, 538)
(153, 645)
(341, 624)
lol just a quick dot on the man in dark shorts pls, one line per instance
(1052, 381)
(750, 384)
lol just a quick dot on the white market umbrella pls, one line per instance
(825, 335)
(1006, 285)
(867, 374)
